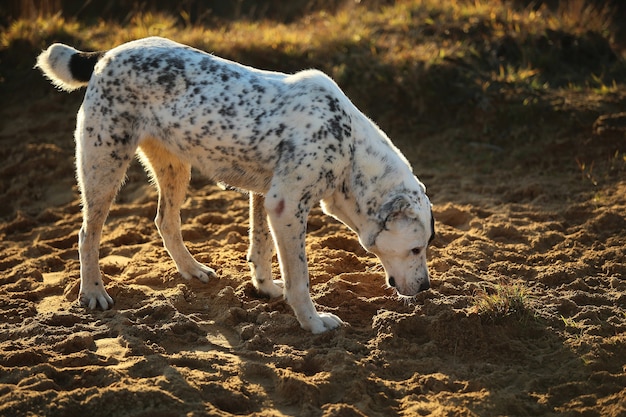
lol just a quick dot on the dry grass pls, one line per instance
(488, 66)
(425, 31)
(503, 301)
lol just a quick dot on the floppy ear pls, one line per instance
(432, 226)
(397, 206)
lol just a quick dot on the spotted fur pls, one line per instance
(290, 140)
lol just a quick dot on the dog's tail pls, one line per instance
(66, 67)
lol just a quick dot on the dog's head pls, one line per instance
(406, 227)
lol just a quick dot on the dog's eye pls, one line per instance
(416, 251)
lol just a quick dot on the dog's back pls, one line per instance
(229, 120)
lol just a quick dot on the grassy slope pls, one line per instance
(427, 55)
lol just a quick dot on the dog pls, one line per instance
(290, 140)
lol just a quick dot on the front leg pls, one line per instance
(288, 224)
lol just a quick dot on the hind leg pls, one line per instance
(172, 177)
(100, 171)
(260, 252)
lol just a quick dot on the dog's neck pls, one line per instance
(378, 172)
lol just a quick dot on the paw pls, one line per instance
(199, 271)
(95, 298)
(323, 322)
(270, 288)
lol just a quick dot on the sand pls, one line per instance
(172, 347)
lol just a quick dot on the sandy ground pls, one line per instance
(172, 347)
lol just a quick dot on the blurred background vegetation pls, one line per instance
(206, 11)
(493, 72)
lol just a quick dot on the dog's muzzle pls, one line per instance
(422, 287)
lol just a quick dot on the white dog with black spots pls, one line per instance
(291, 141)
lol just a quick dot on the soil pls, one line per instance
(547, 217)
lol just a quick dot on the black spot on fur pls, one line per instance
(82, 64)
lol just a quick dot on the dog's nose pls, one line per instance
(392, 282)
(425, 286)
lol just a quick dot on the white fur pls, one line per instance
(54, 62)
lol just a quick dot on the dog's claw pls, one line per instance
(272, 288)
(199, 271)
(103, 300)
(325, 322)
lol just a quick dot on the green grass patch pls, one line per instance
(503, 301)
